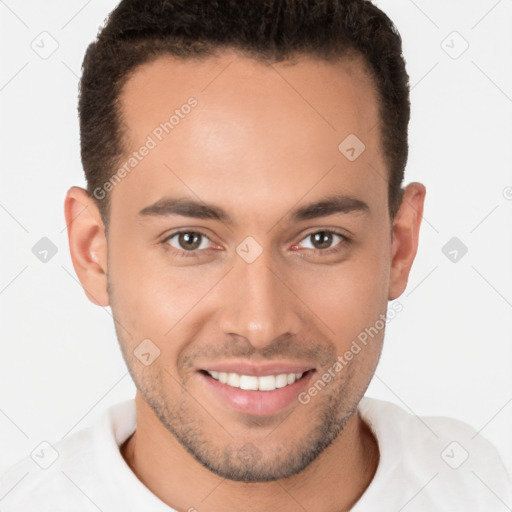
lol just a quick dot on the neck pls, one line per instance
(333, 482)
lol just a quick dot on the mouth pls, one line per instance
(268, 393)
(254, 382)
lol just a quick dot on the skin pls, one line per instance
(262, 141)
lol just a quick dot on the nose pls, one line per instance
(258, 303)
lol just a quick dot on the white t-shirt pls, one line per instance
(427, 464)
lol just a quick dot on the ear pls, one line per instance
(87, 244)
(406, 229)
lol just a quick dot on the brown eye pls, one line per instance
(188, 241)
(324, 240)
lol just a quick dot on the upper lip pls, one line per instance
(244, 368)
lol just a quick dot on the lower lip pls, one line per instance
(259, 403)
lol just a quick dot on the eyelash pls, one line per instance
(188, 254)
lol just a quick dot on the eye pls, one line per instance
(323, 241)
(188, 242)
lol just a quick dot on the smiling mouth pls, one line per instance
(255, 383)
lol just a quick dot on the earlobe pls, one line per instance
(87, 244)
(406, 228)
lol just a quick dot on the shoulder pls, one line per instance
(41, 477)
(442, 462)
(57, 474)
(403, 427)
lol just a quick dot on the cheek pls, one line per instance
(151, 298)
(142, 298)
(348, 297)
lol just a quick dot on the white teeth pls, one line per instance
(247, 382)
(234, 380)
(267, 383)
(251, 382)
(282, 380)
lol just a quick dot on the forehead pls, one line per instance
(257, 128)
(318, 91)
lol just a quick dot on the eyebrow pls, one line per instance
(328, 205)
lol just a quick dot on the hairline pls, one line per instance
(348, 55)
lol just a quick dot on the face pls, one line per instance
(244, 245)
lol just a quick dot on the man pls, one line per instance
(245, 221)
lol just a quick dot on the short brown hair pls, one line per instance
(139, 31)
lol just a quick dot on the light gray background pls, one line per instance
(447, 353)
